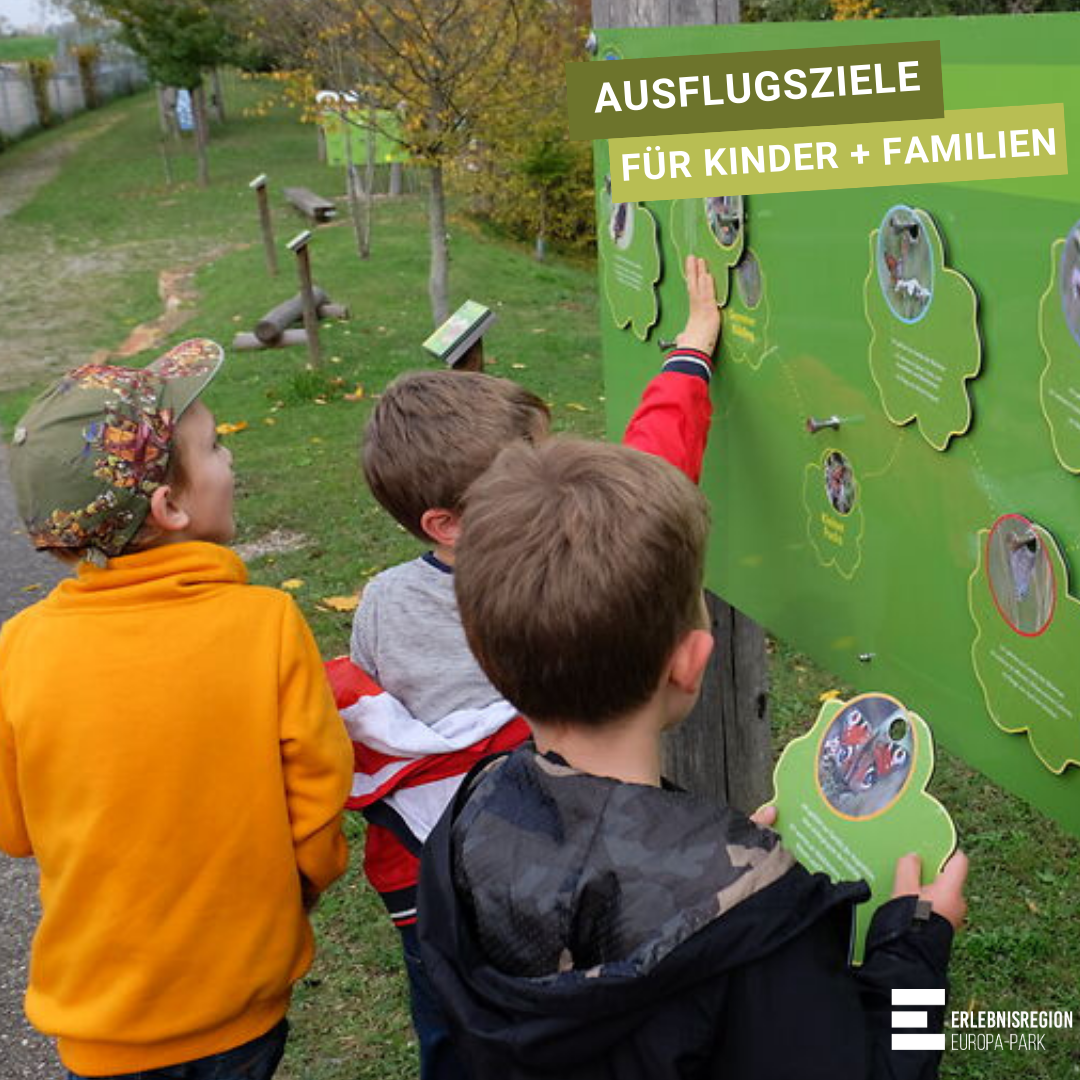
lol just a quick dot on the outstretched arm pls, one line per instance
(673, 418)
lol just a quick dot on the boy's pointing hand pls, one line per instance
(703, 323)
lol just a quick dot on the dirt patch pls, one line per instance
(178, 294)
(275, 542)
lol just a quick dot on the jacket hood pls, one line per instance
(558, 908)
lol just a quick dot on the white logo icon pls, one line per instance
(909, 1026)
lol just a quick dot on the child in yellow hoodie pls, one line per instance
(169, 750)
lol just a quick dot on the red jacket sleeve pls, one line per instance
(672, 420)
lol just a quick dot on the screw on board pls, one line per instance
(813, 425)
(866, 657)
(299, 246)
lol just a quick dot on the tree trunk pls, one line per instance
(202, 133)
(438, 286)
(395, 178)
(369, 177)
(541, 232)
(356, 210)
(218, 97)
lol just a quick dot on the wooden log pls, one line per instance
(309, 204)
(273, 324)
(330, 310)
(245, 341)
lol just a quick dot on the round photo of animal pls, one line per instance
(865, 756)
(840, 485)
(905, 265)
(1021, 575)
(1070, 281)
(748, 279)
(621, 224)
(724, 214)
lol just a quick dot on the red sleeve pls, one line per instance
(672, 421)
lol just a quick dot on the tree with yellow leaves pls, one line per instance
(438, 65)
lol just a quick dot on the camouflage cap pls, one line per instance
(90, 451)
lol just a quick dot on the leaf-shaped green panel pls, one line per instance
(629, 248)
(713, 229)
(834, 516)
(746, 318)
(924, 343)
(851, 797)
(1027, 638)
(1059, 334)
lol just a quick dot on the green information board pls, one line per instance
(336, 127)
(922, 541)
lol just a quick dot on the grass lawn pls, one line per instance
(111, 220)
(27, 48)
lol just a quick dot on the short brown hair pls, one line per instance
(434, 432)
(578, 569)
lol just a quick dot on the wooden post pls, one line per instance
(258, 185)
(473, 359)
(299, 246)
(723, 749)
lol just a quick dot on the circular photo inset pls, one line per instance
(748, 279)
(839, 482)
(1070, 281)
(1021, 575)
(905, 266)
(724, 214)
(865, 756)
(621, 224)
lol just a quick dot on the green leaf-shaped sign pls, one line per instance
(924, 343)
(630, 254)
(713, 229)
(834, 514)
(1027, 635)
(746, 319)
(1059, 333)
(851, 798)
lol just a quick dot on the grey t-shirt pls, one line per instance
(407, 635)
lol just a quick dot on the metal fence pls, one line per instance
(18, 110)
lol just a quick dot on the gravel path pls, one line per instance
(24, 1054)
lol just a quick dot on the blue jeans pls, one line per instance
(255, 1060)
(438, 1060)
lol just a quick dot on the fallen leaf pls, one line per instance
(269, 421)
(32, 588)
(316, 439)
(829, 695)
(321, 401)
(231, 429)
(335, 359)
(540, 329)
(293, 584)
(576, 407)
(356, 395)
(518, 367)
(339, 603)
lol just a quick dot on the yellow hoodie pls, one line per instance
(170, 753)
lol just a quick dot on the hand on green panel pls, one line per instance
(924, 342)
(1027, 627)
(713, 229)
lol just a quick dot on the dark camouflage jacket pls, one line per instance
(578, 927)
